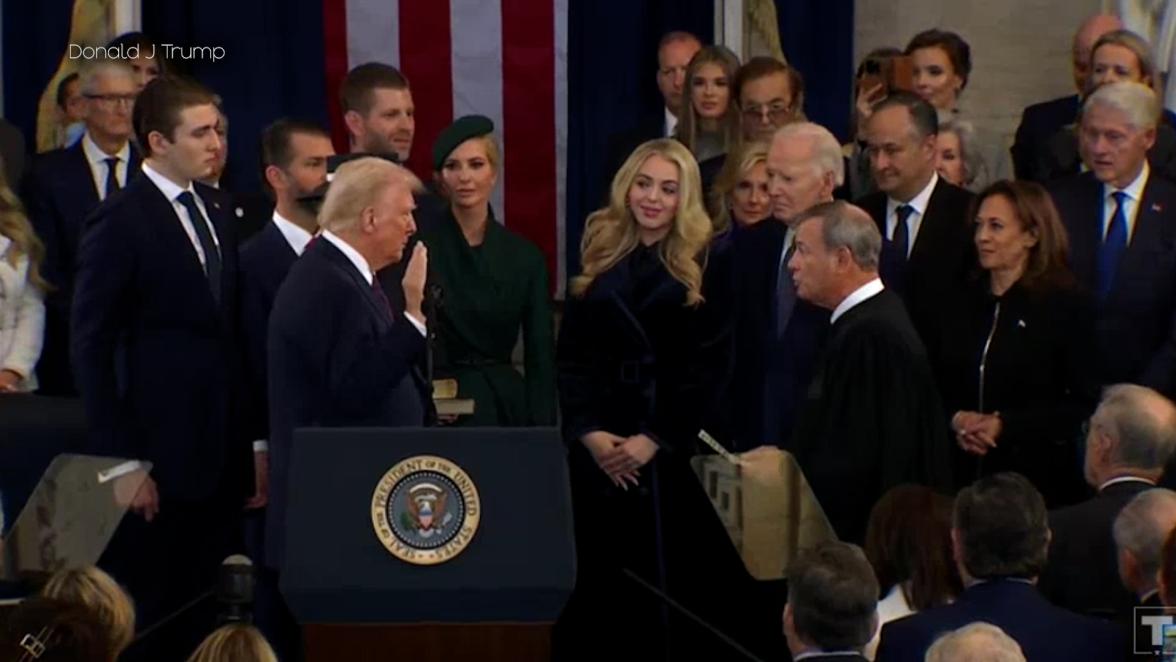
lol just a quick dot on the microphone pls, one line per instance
(234, 590)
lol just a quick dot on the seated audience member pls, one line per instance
(47, 630)
(96, 590)
(1119, 56)
(709, 123)
(1122, 240)
(22, 310)
(1140, 531)
(494, 284)
(908, 542)
(1041, 121)
(1166, 577)
(71, 111)
(140, 53)
(234, 643)
(978, 642)
(1013, 349)
(64, 186)
(871, 86)
(999, 541)
(941, 62)
(832, 597)
(1131, 437)
(957, 159)
(770, 94)
(740, 196)
(674, 52)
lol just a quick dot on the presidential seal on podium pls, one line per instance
(425, 510)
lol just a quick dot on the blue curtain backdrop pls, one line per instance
(274, 67)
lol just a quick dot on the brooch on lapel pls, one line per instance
(1020, 324)
(1157, 207)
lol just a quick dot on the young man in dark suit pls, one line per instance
(778, 335)
(1122, 239)
(1041, 121)
(832, 601)
(923, 219)
(65, 185)
(871, 417)
(339, 355)
(1131, 437)
(999, 540)
(153, 343)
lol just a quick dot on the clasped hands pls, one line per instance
(976, 433)
(621, 458)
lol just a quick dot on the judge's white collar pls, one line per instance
(857, 296)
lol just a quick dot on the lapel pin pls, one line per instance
(240, 212)
(1156, 207)
(1021, 323)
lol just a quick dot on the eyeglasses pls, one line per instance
(774, 113)
(113, 99)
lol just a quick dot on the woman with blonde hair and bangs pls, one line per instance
(22, 290)
(641, 361)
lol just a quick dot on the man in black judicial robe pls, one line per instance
(871, 418)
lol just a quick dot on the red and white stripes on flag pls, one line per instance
(505, 59)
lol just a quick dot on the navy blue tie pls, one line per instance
(112, 184)
(212, 259)
(785, 292)
(900, 242)
(1112, 247)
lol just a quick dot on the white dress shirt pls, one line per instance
(172, 192)
(1134, 192)
(362, 265)
(789, 239)
(915, 220)
(890, 608)
(859, 295)
(1126, 479)
(671, 124)
(293, 233)
(98, 166)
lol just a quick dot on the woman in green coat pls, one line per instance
(494, 283)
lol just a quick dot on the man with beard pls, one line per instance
(294, 160)
(381, 120)
(777, 335)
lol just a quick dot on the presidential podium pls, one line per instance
(428, 544)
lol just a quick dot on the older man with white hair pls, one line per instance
(1122, 240)
(978, 642)
(339, 355)
(778, 336)
(64, 186)
(1140, 531)
(871, 418)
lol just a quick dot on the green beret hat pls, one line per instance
(462, 129)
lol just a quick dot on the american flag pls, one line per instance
(505, 59)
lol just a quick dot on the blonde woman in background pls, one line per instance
(97, 591)
(740, 196)
(22, 290)
(235, 642)
(641, 363)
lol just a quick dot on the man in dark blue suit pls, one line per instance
(65, 185)
(294, 157)
(999, 541)
(1122, 239)
(153, 344)
(779, 335)
(339, 355)
(832, 601)
(1041, 121)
